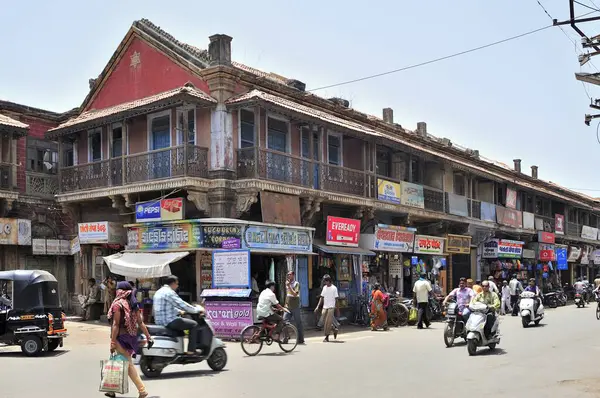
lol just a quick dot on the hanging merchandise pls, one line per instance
(272, 270)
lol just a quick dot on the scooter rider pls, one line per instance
(579, 287)
(463, 296)
(534, 289)
(490, 299)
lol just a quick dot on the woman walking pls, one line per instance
(126, 318)
(378, 313)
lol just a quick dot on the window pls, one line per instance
(415, 170)
(68, 155)
(305, 144)
(190, 126)
(501, 194)
(247, 129)
(277, 138)
(95, 146)
(117, 141)
(334, 149)
(383, 163)
(42, 156)
(459, 184)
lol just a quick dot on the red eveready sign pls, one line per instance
(342, 231)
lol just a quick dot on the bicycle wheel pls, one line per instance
(402, 312)
(250, 340)
(598, 311)
(288, 338)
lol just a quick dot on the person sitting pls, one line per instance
(534, 289)
(264, 309)
(463, 296)
(167, 306)
(92, 298)
(492, 301)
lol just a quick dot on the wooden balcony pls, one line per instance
(180, 161)
(41, 184)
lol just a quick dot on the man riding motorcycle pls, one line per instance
(463, 296)
(534, 289)
(490, 299)
(579, 287)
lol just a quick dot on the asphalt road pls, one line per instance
(556, 359)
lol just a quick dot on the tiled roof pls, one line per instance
(10, 122)
(94, 114)
(305, 110)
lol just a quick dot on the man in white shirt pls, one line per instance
(493, 286)
(266, 301)
(421, 292)
(328, 300)
(515, 288)
(505, 307)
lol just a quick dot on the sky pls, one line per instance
(515, 100)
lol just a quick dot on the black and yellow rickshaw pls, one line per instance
(30, 312)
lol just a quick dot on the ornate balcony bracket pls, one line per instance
(8, 206)
(244, 201)
(310, 207)
(199, 199)
(121, 203)
(71, 211)
(365, 212)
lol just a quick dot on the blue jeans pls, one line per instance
(296, 313)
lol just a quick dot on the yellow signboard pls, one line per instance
(388, 191)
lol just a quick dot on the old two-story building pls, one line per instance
(35, 234)
(181, 149)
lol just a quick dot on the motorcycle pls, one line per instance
(455, 325)
(169, 348)
(551, 299)
(579, 300)
(527, 309)
(475, 329)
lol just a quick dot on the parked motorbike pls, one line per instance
(579, 300)
(169, 348)
(455, 325)
(475, 329)
(561, 296)
(527, 309)
(551, 299)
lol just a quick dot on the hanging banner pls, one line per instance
(528, 220)
(459, 244)
(546, 237)
(391, 238)
(574, 254)
(412, 195)
(561, 258)
(595, 257)
(589, 233)
(342, 231)
(488, 211)
(559, 224)
(509, 217)
(585, 255)
(458, 205)
(388, 191)
(429, 244)
(511, 198)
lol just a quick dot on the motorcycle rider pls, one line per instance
(579, 287)
(534, 289)
(492, 301)
(463, 296)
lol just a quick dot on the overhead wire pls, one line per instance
(586, 6)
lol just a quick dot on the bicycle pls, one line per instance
(255, 336)
(598, 306)
(361, 312)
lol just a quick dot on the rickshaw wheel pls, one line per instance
(53, 344)
(31, 346)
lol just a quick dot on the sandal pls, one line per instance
(143, 395)
(110, 394)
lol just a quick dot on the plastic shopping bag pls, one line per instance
(113, 376)
(412, 315)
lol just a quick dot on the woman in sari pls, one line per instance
(126, 318)
(378, 312)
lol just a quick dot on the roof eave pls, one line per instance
(14, 130)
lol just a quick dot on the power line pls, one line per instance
(433, 60)
(586, 6)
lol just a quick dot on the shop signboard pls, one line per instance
(510, 217)
(546, 237)
(511, 198)
(101, 232)
(502, 248)
(574, 254)
(546, 252)
(229, 318)
(266, 237)
(342, 231)
(429, 244)
(595, 258)
(528, 220)
(52, 246)
(278, 208)
(559, 224)
(585, 255)
(459, 244)
(24, 234)
(38, 246)
(561, 258)
(15, 232)
(412, 195)
(528, 253)
(164, 237)
(159, 210)
(75, 247)
(393, 238)
(64, 248)
(388, 191)
(222, 236)
(588, 232)
(490, 249)
(231, 269)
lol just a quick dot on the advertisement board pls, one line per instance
(394, 238)
(429, 244)
(231, 269)
(229, 318)
(342, 231)
(264, 237)
(165, 237)
(160, 210)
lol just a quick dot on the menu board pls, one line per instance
(231, 269)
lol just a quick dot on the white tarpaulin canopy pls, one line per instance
(143, 265)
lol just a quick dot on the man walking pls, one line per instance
(506, 299)
(421, 292)
(515, 289)
(292, 303)
(328, 301)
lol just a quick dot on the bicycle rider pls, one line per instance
(267, 301)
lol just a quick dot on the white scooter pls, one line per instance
(527, 309)
(475, 329)
(169, 348)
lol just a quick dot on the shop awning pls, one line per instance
(342, 249)
(281, 252)
(143, 265)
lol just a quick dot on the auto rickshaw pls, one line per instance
(30, 312)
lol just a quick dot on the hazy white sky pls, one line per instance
(515, 100)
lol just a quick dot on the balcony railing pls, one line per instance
(136, 168)
(573, 229)
(41, 184)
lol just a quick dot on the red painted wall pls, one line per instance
(37, 129)
(154, 74)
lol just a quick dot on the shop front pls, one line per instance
(97, 240)
(392, 245)
(546, 274)
(430, 258)
(585, 270)
(502, 258)
(459, 249)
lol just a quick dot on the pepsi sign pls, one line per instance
(147, 211)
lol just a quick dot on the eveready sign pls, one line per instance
(342, 231)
